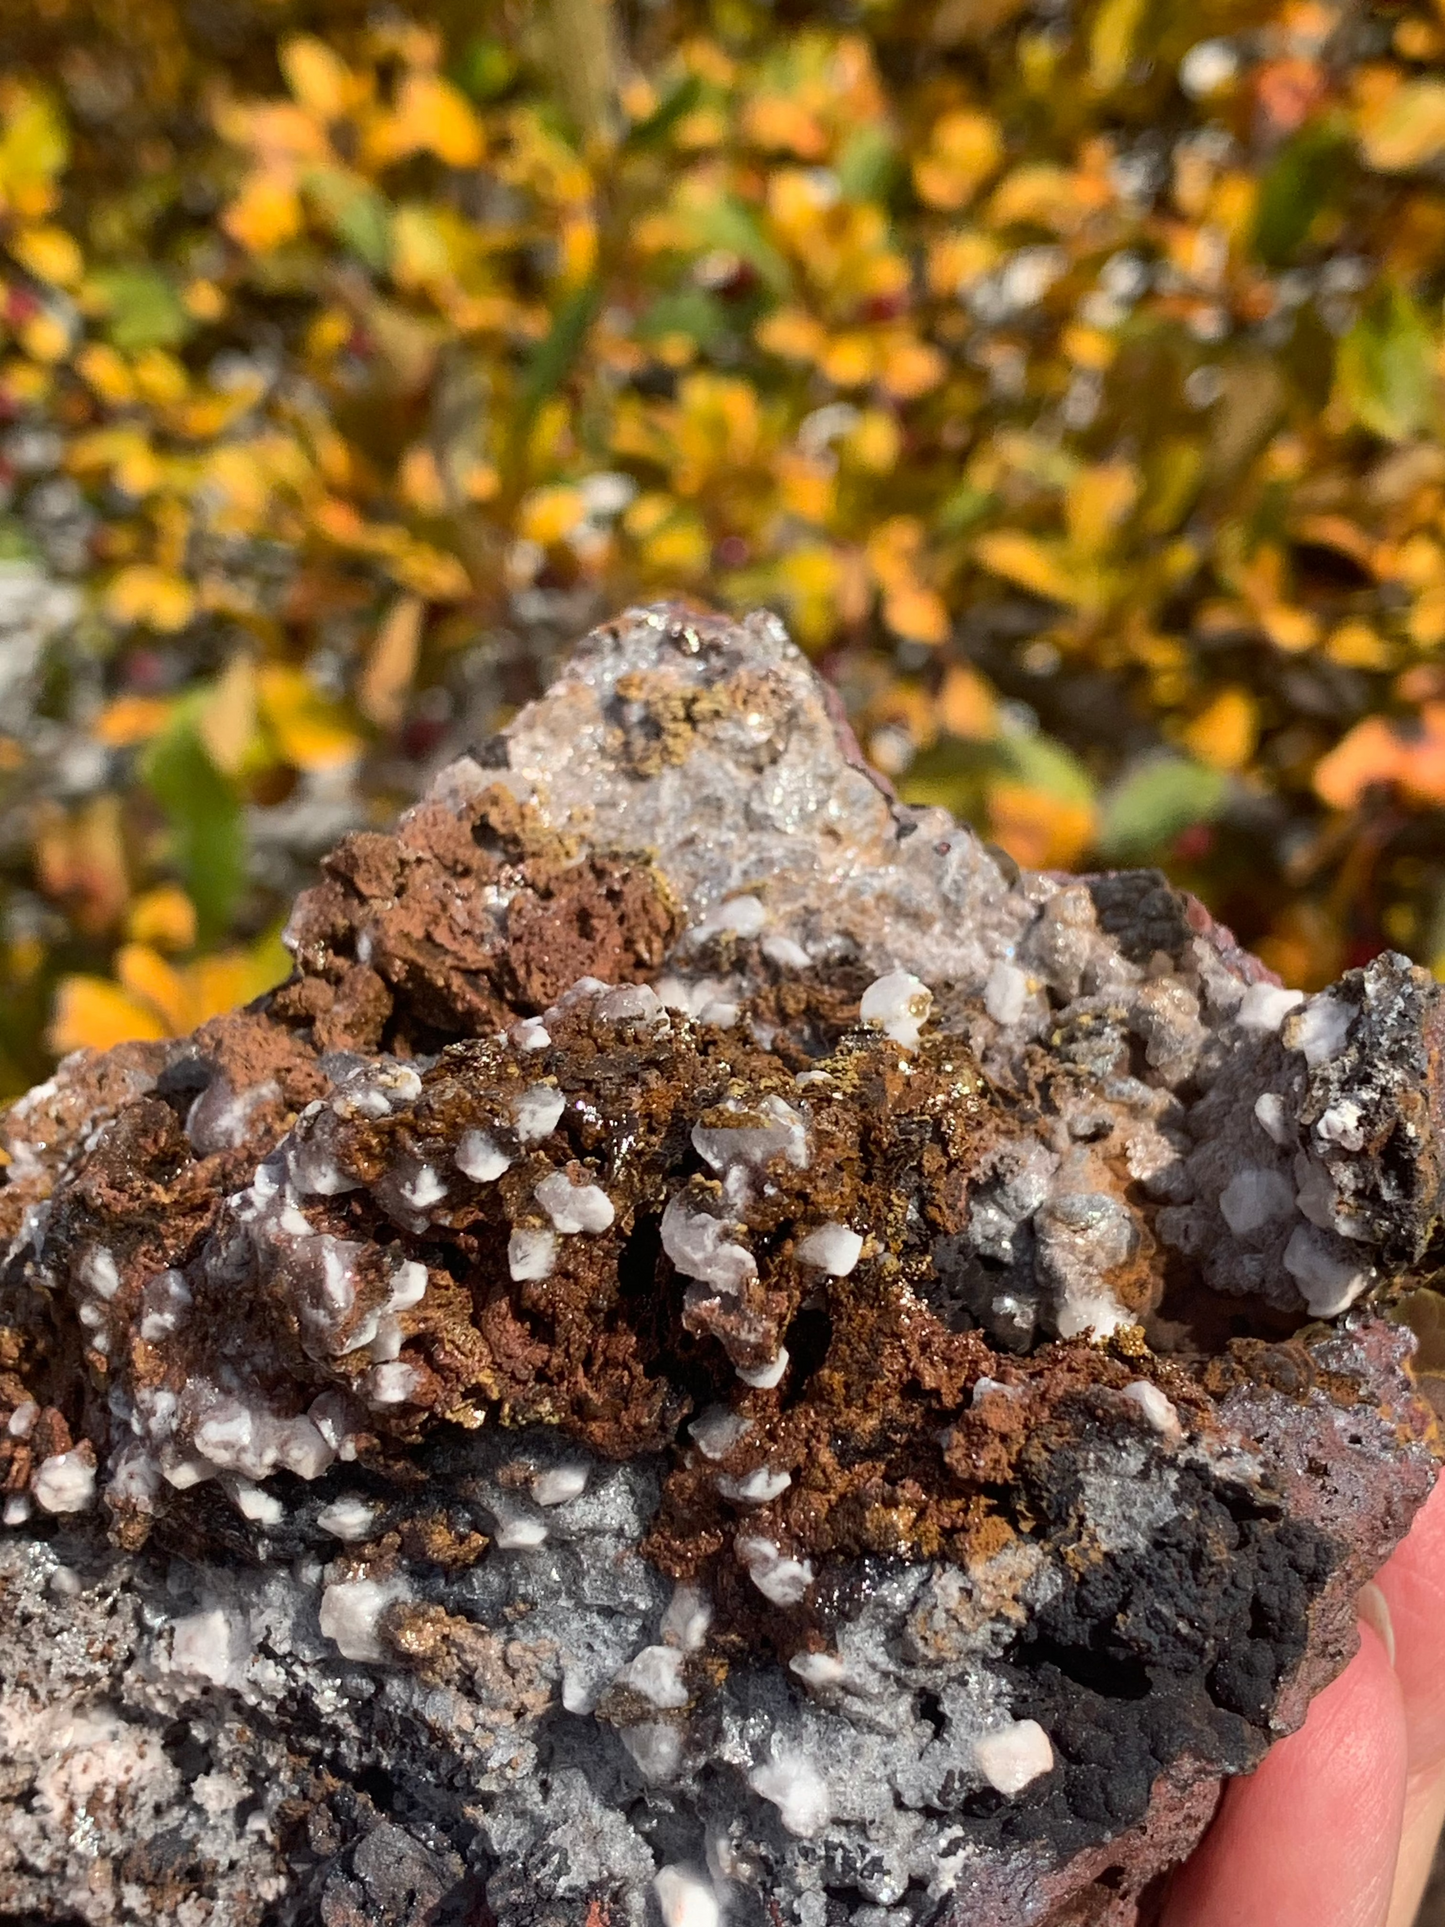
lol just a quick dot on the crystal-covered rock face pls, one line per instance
(715, 1351)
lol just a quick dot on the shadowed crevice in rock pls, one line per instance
(715, 1348)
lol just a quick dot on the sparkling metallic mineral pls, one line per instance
(715, 1352)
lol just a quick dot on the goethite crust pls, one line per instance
(716, 1351)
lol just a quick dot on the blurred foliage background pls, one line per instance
(1067, 373)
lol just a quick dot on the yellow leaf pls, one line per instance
(873, 441)
(1356, 645)
(430, 573)
(809, 578)
(848, 360)
(916, 614)
(142, 593)
(479, 481)
(1407, 130)
(443, 117)
(50, 254)
(549, 514)
(92, 1014)
(309, 731)
(391, 664)
(1290, 629)
(203, 299)
(956, 262)
(910, 368)
(106, 371)
(791, 333)
(45, 336)
(319, 81)
(33, 149)
(1224, 734)
(227, 718)
(266, 212)
(1111, 41)
(966, 705)
(1088, 347)
(1027, 562)
(160, 378)
(1370, 753)
(1038, 194)
(1097, 501)
(164, 918)
(420, 254)
(215, 985)
(965, 148)
(419, 480)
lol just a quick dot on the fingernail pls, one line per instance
(1372, 1606)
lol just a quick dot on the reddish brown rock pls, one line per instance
(712, 1348)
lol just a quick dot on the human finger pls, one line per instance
(1311, 1838)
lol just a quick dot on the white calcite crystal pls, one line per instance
(537, 1113)
(65, 1482)
(350, 1615)
(656, 1674)
(699, 1245)
(1014, 1756)
(833, 1248)
(686, 1899)
(531, 1253)
(574, 1207)
(781, 1579)
(1255, 1196)
(347, 1518)
(898, 1003)
(559, 1484)
(479, 1157)
(794, 1785)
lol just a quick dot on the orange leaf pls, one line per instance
(1370, 753)
(149, 979)
(382, 686)
(130, 719)
(1039, 831)
(91, 1013)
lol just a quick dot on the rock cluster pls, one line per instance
(716, 1350)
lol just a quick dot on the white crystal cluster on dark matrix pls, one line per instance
(717, 1352)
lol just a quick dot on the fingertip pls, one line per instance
(1310, 1839)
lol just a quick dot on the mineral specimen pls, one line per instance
(716, 1350)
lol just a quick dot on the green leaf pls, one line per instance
(552, 358)
(142, 309)
(1385, 367)
(729, 223)
(691, 311)
(1297, 185)
(868, 164)
(484, 69)
(16, 543)
(203, 812)
(1046, 765)
(955, 773)
(667, 113)
(963, 509)
(1152, 803)
(951, 775)
(357, 215)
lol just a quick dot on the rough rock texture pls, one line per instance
(714, 1350)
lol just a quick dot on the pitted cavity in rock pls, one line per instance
(784, 1353)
